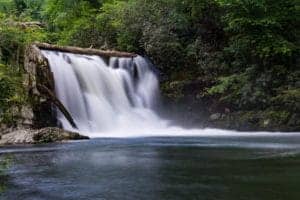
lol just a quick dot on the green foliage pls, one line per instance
(22, 8)
(14, 37)
(262, 51)
(33, 8)
(6, 6)
(12, 94)
(164, 29)
(258, 28)
(6, 86)
(225, 83)
(72, 22)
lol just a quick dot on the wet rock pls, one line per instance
(45, 135)
(215, 116)
(17, 137)
(38, 75)
(19, 118)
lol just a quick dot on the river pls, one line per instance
(216, 167)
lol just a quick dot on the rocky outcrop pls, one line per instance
(45, 135)
(17, 137)
(22, 119)
(38, 73)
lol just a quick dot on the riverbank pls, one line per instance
(188, 104)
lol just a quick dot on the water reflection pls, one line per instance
(5, 162)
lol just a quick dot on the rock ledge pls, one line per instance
(45, 135)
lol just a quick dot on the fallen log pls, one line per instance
(86, 51)
(57, 103)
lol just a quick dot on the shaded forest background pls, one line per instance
(231, 63)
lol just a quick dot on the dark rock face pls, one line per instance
(38, 110)
(45, 135)
(39, 76)
(40, 83)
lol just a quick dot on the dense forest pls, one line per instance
(230, 63)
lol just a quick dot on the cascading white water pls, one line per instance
(115, 99)
(102, 97)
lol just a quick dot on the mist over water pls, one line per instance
(115, 97)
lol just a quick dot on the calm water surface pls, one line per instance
(246, 168)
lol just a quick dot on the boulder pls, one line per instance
(47, 135)
(17, 137)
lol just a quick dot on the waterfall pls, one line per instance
(115, 97)
(119, 94)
